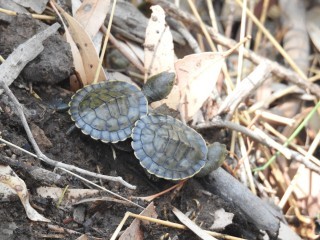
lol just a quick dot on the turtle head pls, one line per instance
(217, 153)
(159, 86)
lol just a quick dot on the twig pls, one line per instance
(73, 168)
(102, 188)
(7, 160)
(262, 138)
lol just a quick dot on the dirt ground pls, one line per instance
(101, 218)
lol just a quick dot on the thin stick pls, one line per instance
(71, 167)
(36, 16)
(262, 138)
(212, 46)
(64, 169)
(246, 164)
(104, 47)
(292, 144)
(102, 188)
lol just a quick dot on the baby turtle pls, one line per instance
(169, 149)
(114, 111)
(108, 110)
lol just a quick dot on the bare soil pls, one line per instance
(101, 219)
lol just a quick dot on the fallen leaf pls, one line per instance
(77, 59)
(221, 219)
(86, 48)
(133, 232)
(197, 76)
(91, 15)
(158, 46)
(11, 180)
(75, 4)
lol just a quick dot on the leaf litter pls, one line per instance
(292, 185)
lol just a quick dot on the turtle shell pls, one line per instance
(108, 110)
(168, 148)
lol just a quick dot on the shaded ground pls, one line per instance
(101, 219)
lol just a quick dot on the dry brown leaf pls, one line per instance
(77, 59)
(88, 53)
(221, 219)
(133, 231)
(91, 15)
(158, 46)
(197, 76)
(17, 185)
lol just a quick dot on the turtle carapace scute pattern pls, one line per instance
(108, 110)
(168, 148)
(113, 111)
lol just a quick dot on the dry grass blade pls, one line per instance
(97, 75)
(191, 225)
(166, 223)
(274, 41)
(36, 16)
